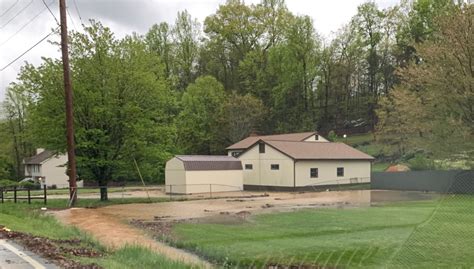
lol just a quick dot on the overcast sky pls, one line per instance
(25, 22)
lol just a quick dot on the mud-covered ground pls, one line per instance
(59, 252)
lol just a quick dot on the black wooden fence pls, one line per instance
(18, 194)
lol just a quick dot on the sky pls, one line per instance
(24, 22)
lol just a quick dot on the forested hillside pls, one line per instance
(405, 73)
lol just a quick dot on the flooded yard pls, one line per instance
(111, 224)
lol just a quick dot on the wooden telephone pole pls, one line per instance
(72, 173)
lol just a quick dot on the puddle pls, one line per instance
(379, 196)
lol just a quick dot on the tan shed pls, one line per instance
(186, 174)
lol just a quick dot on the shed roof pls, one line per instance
(209, 162)
(249, 141)
(39, 158)
(319, 151)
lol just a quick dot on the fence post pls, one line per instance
(210, 190)
(29, 196)
(171, 192)
(14, 195)
(44, 193)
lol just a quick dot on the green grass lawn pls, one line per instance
(390, 235)
(26, 218)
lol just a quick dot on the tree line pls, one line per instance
(186, 88)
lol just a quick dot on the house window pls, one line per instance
(261, 148)
(275, 167)
(248, 167)
(316, 137)
(340, 171)
(313, 172)
(235, 154)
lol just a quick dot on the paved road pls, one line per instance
(13, 256)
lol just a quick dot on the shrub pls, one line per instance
(420, 162)
(332, 136)
(6, 183)
(30, 185)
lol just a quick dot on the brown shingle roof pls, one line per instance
(249, 141)
(319, 151)
(209, 162)
(39, 158)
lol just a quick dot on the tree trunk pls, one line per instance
(103, 193)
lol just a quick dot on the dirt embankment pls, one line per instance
(60, 252)
(115, 233)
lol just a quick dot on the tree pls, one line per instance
(294, 64)
(199, 118)
(240, 116)
(15, 110)
(186, 33)
(434, 101)
(124, 108)
(159, 40)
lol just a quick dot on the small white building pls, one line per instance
(49, 167)
(299, 161)
(186, 174)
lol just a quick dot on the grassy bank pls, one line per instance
(28, 219)
(89, 202)
(352, 238)
(367, 144)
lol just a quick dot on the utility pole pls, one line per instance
(71, 155)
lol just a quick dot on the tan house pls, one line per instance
(48, 167)
(187, 174)
(299, 160)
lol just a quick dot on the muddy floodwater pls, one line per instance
(110, 225)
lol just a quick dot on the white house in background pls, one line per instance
(299, 160)
(185, 174)
(48, 166)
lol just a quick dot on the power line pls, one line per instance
(22, 27)
(16, 15)
(21, 55)
(70, 17)
(52, 14)
(12, 6)
(78, 13)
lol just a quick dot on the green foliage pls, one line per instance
(124, 108)
(255, 67)
(127, 257)
(421, 162)
(240, 116)
(30, 185)
(420, 110)
(198, 120)
(6, 183)
(332, 136)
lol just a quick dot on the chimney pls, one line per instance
(39, 150)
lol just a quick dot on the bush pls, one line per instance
(420, 162)
(332, 136)
(30, 185)
(6, 183)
